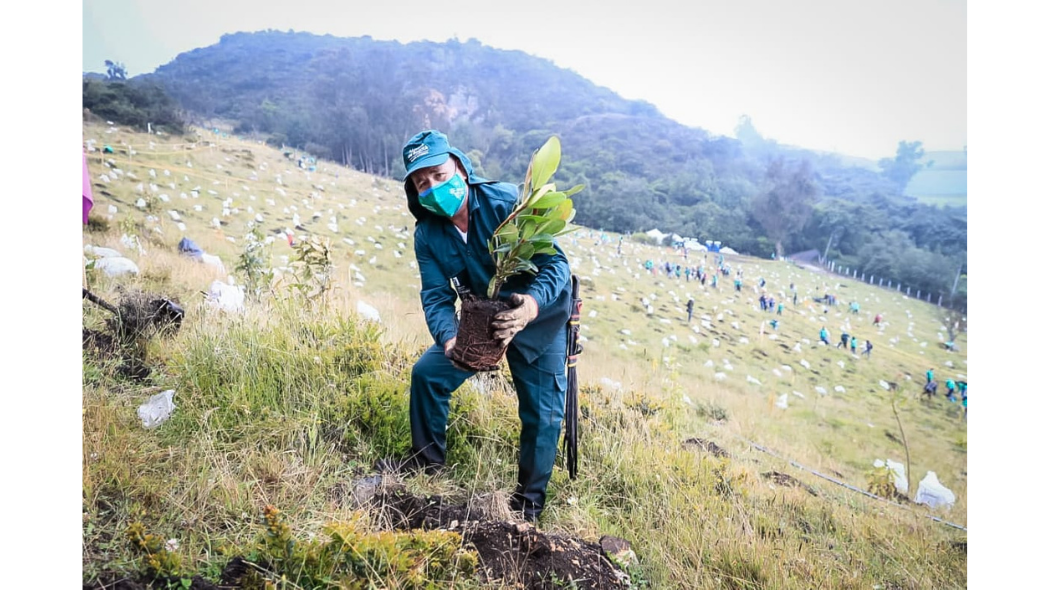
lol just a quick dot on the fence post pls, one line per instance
(939, 298)
(871, 279)
(880, 281)
(862, 277)
(928, 296)
(898, 286)
(918, 294)
(909, 289)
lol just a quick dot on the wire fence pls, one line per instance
(834, 267)
(850, 487)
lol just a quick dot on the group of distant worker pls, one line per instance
(930, 389)
(847, 341)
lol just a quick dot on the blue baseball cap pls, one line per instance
(425, 149)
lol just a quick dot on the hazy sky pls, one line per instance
(848, 76)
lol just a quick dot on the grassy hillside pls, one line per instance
(290, 403)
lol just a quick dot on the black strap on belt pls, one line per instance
(572, 409)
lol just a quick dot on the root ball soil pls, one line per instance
(475, 347)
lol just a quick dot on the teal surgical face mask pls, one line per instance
(446, 198)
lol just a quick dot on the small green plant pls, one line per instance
(157, 559)
(352, 558)
(712, 410)
(882, 482)
(372, 408)
(128, 226)
(632, 568)
(254, 264)
(542, 213)
(313, 268)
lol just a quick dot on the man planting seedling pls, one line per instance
(492, 247)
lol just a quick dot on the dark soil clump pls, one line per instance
(511, 554)
(708, 446)
(475, 347)
(786, 480)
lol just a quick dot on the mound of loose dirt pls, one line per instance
(708, 446)
(514, 554)
(783, 479)
(511, 554)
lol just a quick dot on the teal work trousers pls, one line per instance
(540, 388)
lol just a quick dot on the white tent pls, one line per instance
(728, 251)
(656, 234)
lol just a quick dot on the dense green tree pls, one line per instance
(903, 167)
(115, 70)
(787, 201)
(132, 103)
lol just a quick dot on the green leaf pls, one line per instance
(527, 266)
(528, 228)
(545, 161)
(543, 238)
(526, 188)
(543, 190)
(525, 251)
(509, 233)
(552, 226)
(565, 211)
(572, 191)
(502, 249)
(541, 243)
(549, 200)
(546, 250)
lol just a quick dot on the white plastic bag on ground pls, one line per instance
(117, 266)
(932, 493)
(368, 312)
(900, 477)
(212, 260)
(226, 297)
(157, 409)
(102, 252)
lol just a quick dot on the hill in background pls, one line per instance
(355, 101)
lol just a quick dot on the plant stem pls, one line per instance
(907, 453)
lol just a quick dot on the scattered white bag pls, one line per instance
(932, 493)
(115, 267)
(157, 409)
(101, 252)
(782, 402)
(368, 312)
(226, 297)
(212, 260)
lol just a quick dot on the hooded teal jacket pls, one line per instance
(442, 255)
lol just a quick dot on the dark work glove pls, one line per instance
(508, 323)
